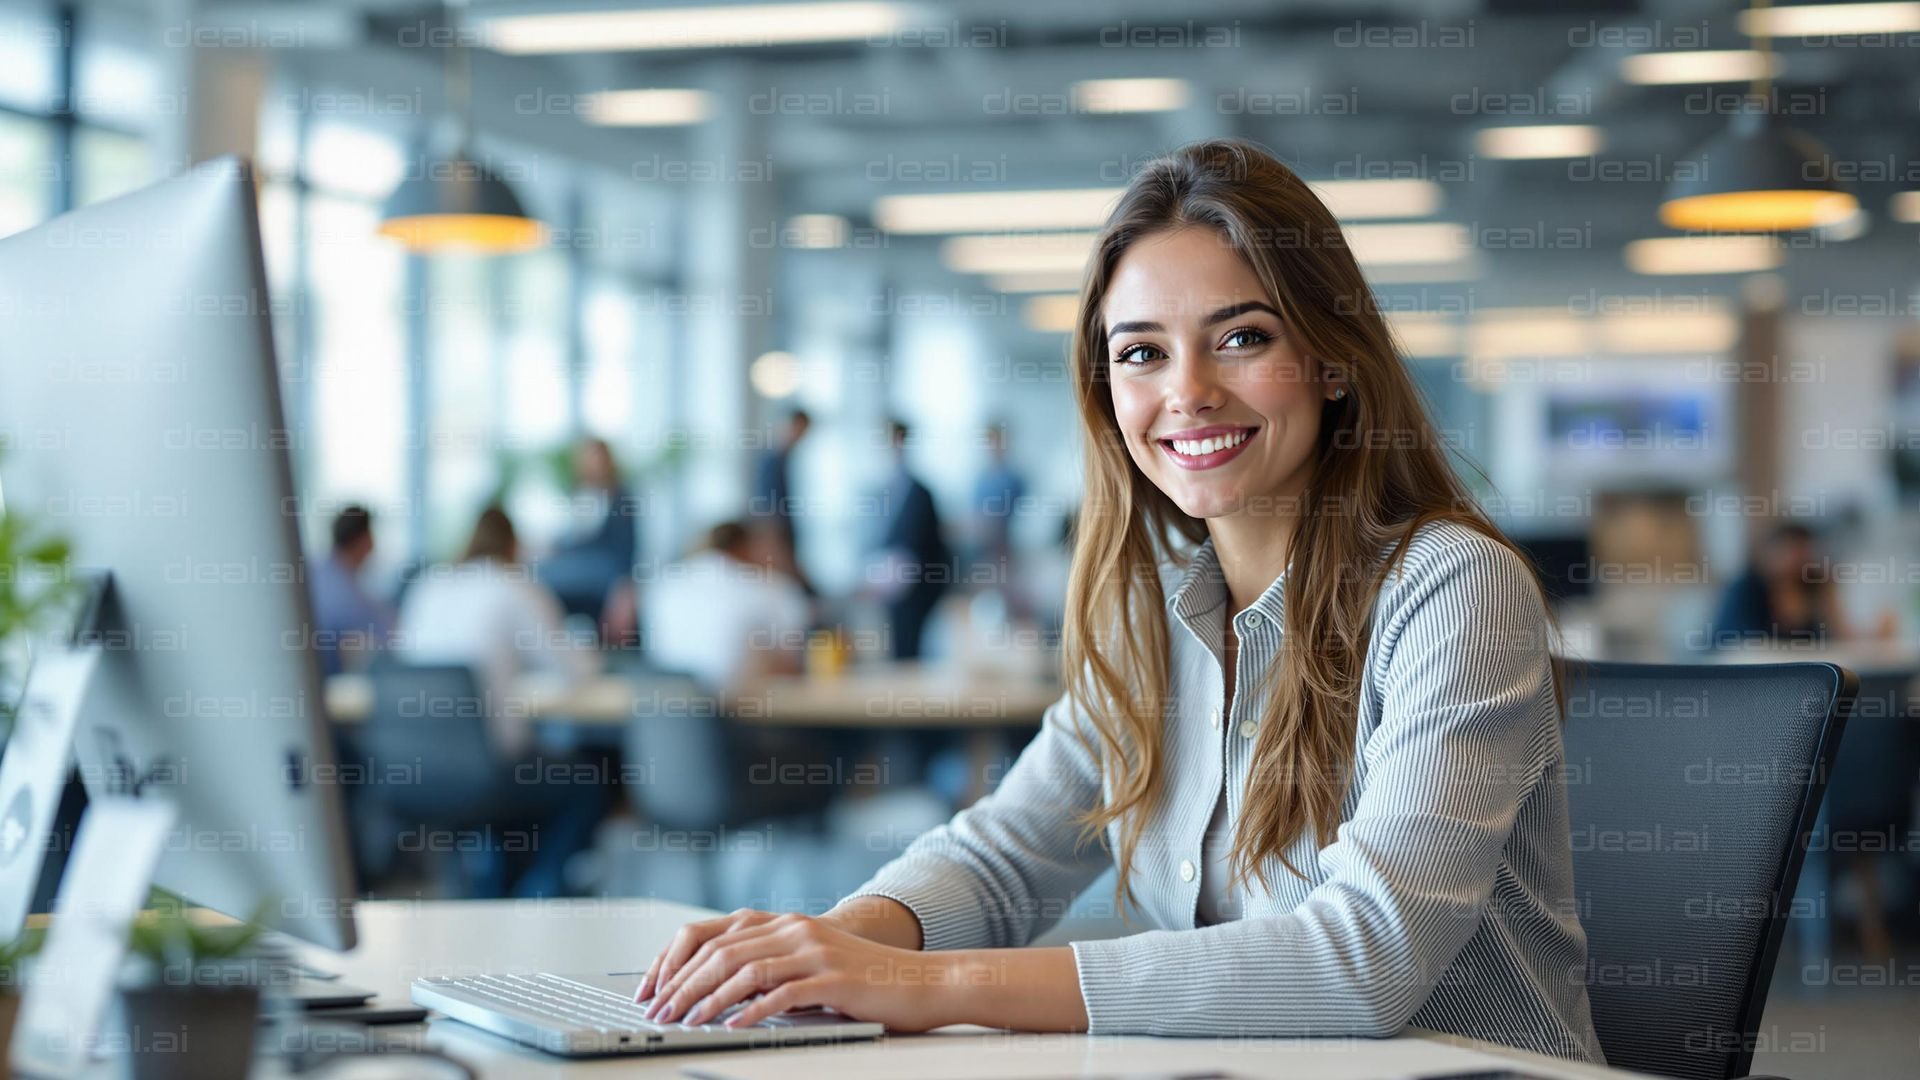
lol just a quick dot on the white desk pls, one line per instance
(402, 940)
(889, 696)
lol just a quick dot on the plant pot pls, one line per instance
(9, 1012)
(190, 1031)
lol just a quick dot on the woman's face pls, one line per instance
(1217, 407)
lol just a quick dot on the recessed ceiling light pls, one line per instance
(1355, 200)
(980, 211)
(1130, 95)
(1812, 20)
(1704, 254)
(716, 27)
(1054, 313)
(1410, 244)
(648, 108)
(1699, 66)
(1540, 141)
(1017, 253)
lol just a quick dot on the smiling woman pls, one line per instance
(1374, 833)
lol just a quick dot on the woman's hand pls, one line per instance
(791, 962)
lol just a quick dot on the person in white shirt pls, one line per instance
(491, 613)
(724, 615)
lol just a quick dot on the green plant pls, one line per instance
(14, 956)
(179, 946)
(35, 580)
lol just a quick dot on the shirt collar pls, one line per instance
(1203, 590)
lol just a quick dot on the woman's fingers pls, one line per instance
(688, 939)
(645, 989)
(756, 976)
(701, 975)
(797, 994)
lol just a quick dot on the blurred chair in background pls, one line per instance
(488, 825)
(602, 542)
(348, 624)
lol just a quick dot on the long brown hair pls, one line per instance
(1366, 497)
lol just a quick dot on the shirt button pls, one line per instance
(1248, 729)
(1252, 619)
(1186, 870)
(1213, 719)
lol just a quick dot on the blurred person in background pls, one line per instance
(772, 499)
(348, 624)
(600, 546)
(996, 498)
(913, 565)
(492, 614)
(1787, 595)
(728, 614)
(489, 613)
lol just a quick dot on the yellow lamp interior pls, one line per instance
(485, 233)
(1759, 210)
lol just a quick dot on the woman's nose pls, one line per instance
(1194, 387)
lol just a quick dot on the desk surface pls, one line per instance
(889, 696)
(403, 940)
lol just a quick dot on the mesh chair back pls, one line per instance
(1691, 793)
(428, 744)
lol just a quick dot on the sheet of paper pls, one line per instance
(106, 883)
(34, 773)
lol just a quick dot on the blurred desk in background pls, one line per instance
(891, 697)
(1869, 659)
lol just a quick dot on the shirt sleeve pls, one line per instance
(1005, 869)
(1466, 725)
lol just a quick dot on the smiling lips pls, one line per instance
(1207, 447)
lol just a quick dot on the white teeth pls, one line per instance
(1201, 447)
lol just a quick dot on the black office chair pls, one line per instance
(1692, 790)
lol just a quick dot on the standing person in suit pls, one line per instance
(915, 562)
(772, 500)
(599, 550)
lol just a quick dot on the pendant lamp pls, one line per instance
(457, 204)
(1757, 176)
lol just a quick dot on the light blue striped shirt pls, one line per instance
(1446, 900)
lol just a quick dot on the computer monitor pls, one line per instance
(140, 401)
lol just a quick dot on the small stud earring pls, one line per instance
(1340, 394)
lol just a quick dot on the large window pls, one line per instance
(359, 388)
(25, 163)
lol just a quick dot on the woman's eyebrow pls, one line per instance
(1219, 316)
(1231, 310)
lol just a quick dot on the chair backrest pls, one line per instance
(1691, 792)
(677, 754)
(427, 738)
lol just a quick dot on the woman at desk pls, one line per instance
(1362, 830)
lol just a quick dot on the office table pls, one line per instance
(891, 696)
(402, 940)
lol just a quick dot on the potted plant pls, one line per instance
(13, 957)
(193, 1006)
(35, 577)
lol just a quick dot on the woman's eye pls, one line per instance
(1246, 337)
(1137, 354)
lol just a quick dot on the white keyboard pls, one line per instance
(595, 1014)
